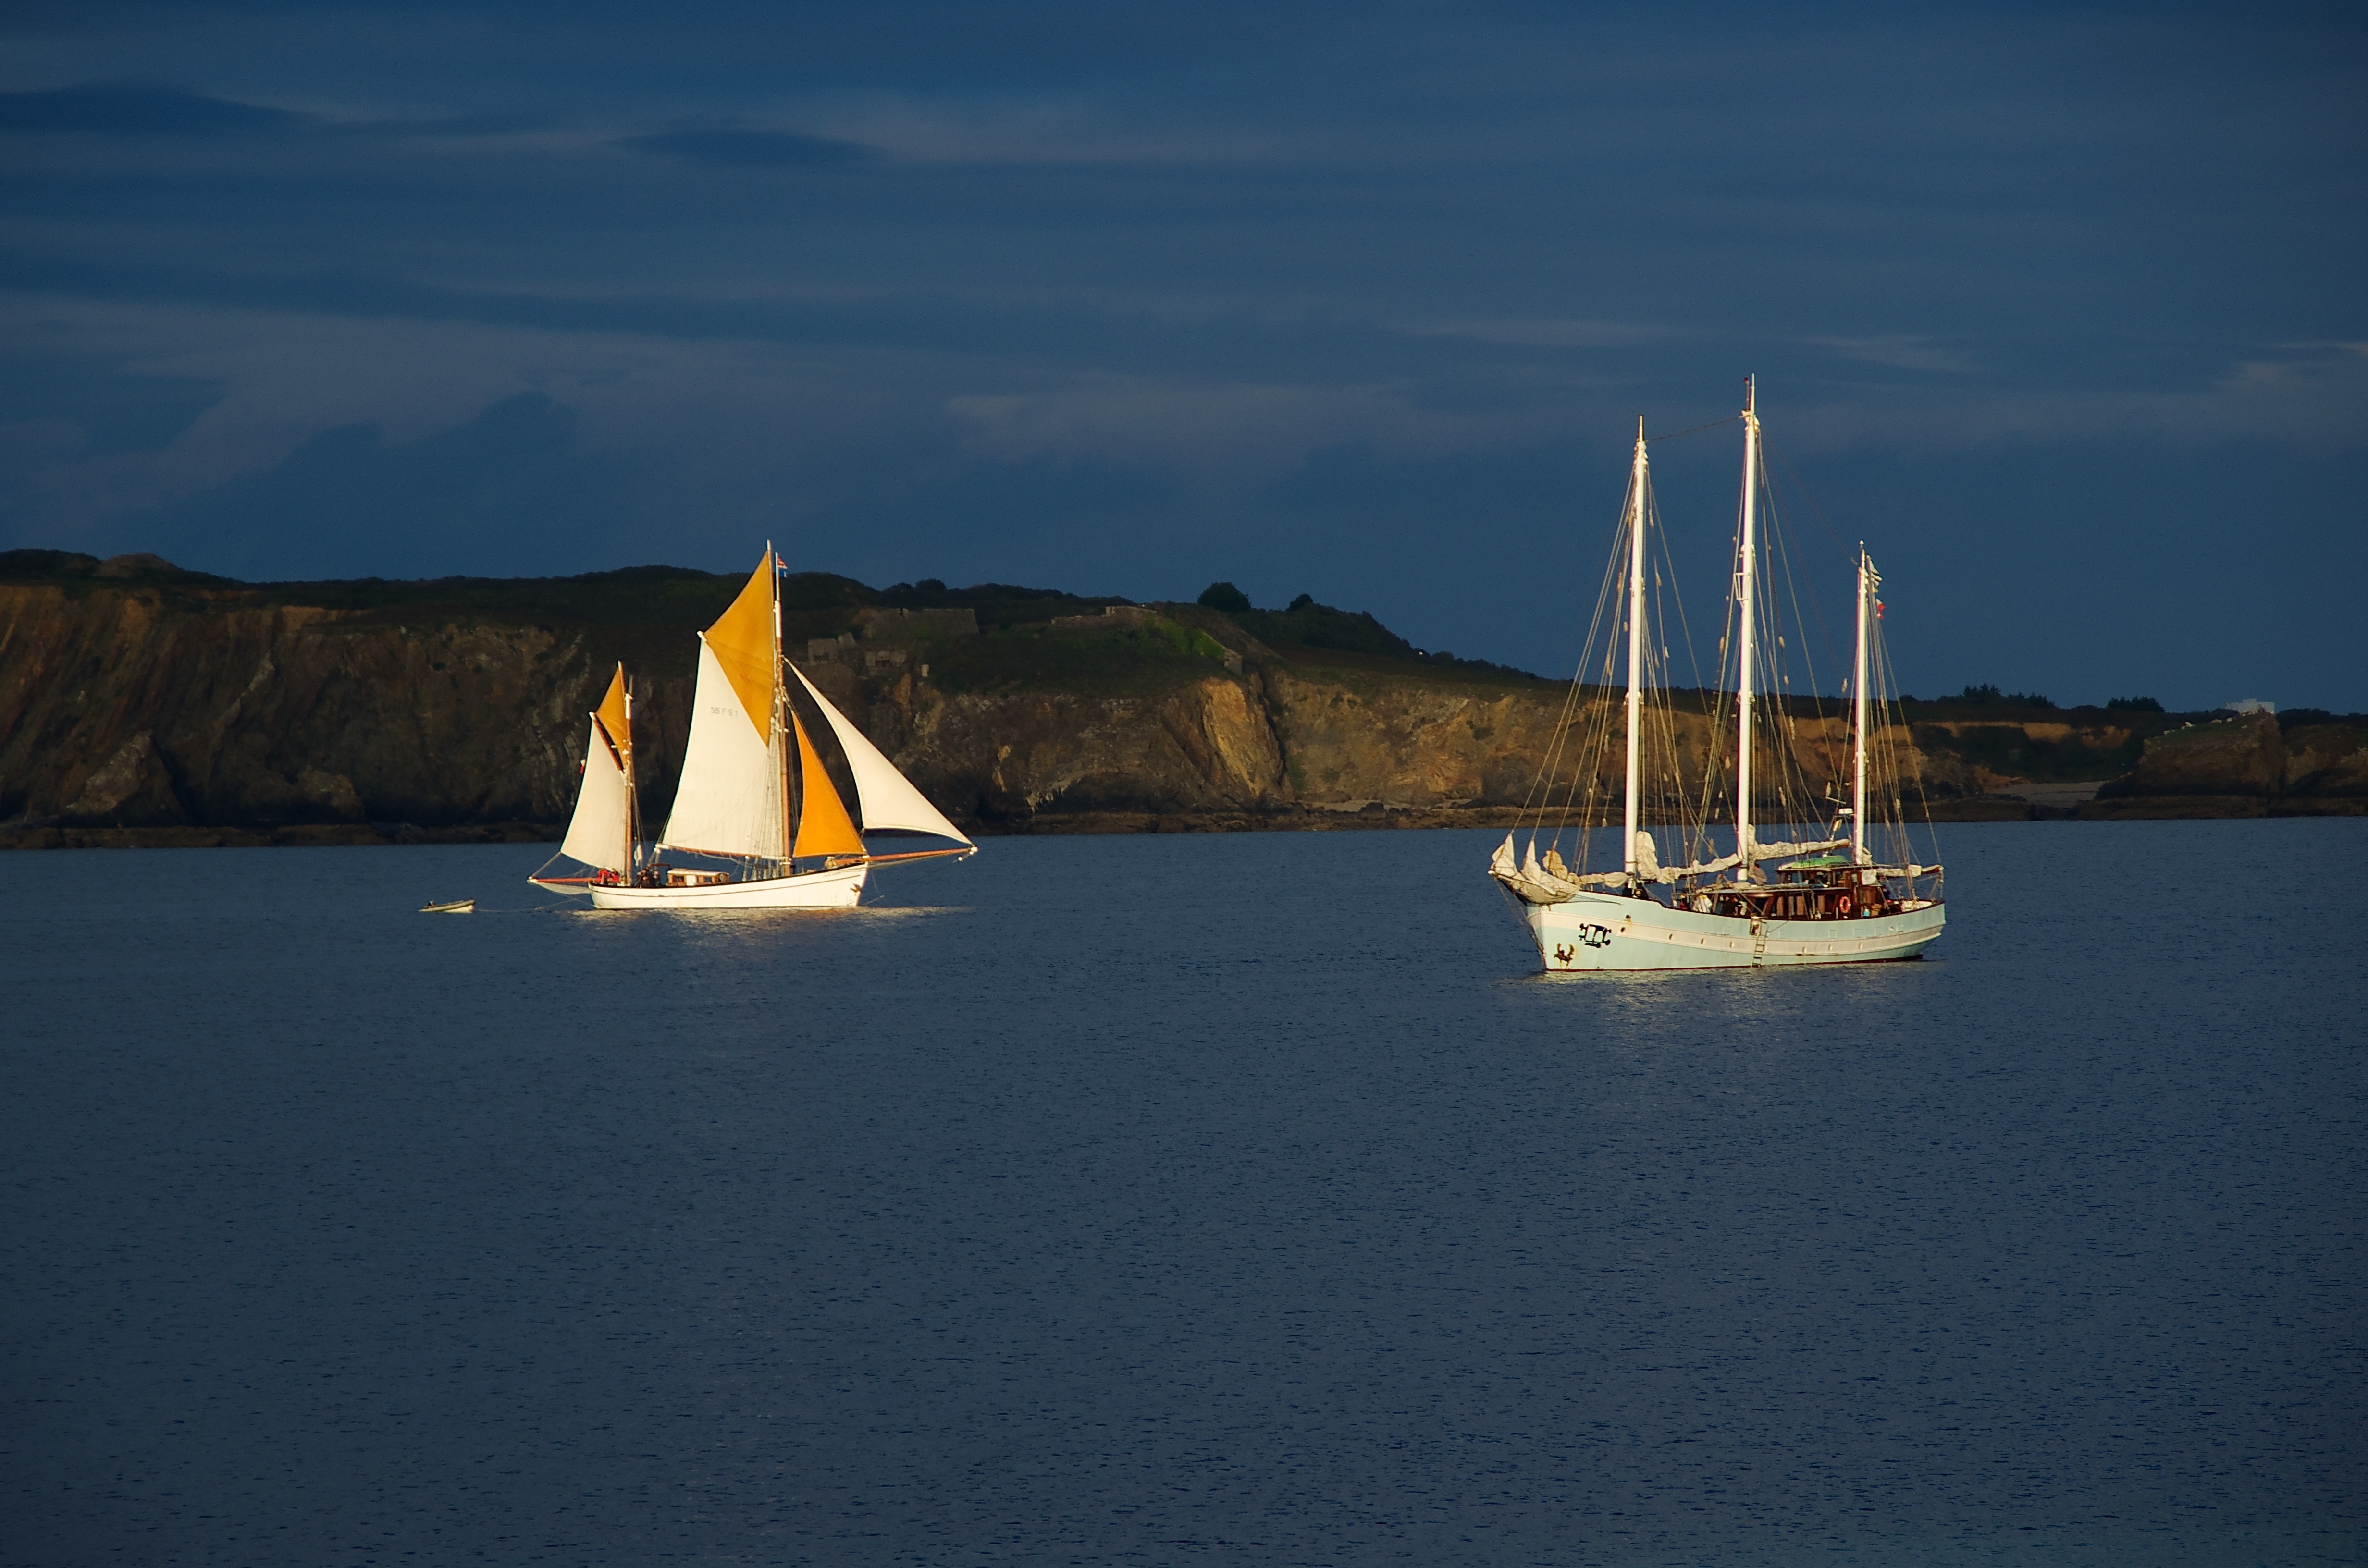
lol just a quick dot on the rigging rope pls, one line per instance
(1694, 430)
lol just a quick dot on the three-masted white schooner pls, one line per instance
(753, 790)
(1822, 900)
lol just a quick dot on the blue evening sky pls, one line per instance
(2063, 310)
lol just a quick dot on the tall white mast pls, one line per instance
(1746, 592)
(1858, 715)
(1636, 647)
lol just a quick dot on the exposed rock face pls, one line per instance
(2244, 766)
(1350, 742)
(1007, 758)
(1977, 757)
(115, 712)
(2326, 762)
(133, 787)
(2234, 757)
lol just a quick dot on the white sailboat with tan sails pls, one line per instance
(1848, 896)
(753, 791)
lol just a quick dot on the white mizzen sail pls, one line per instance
(885, 798)
(729, 798)
(600, 833)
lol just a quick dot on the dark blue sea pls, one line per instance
(1188, 1200)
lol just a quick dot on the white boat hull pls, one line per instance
(842, 888)
(1601, 932)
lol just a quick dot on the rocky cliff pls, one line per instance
(140, 702)
(2258, 765)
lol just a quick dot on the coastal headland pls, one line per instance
(142, 705)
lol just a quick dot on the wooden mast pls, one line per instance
(780, 710)
(632, 790)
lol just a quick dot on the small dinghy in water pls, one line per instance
(457, 906)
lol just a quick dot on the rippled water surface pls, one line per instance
(1180, 1199)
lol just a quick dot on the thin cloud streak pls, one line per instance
(747, 147)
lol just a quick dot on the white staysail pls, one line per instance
(884, 797)
(729, 798)
(600, 832)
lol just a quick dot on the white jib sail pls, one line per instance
(729, 798)
(885, 798)
(595, 834)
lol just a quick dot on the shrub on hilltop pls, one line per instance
(1224, 596)
(1987, 695)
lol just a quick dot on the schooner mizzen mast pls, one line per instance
(796, 844)
(1820, 907)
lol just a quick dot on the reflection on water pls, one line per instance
(1245, 1197)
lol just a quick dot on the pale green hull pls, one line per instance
(1595, 931)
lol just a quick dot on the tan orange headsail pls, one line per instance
(613, 721)
(824, 827)
(741, 639)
